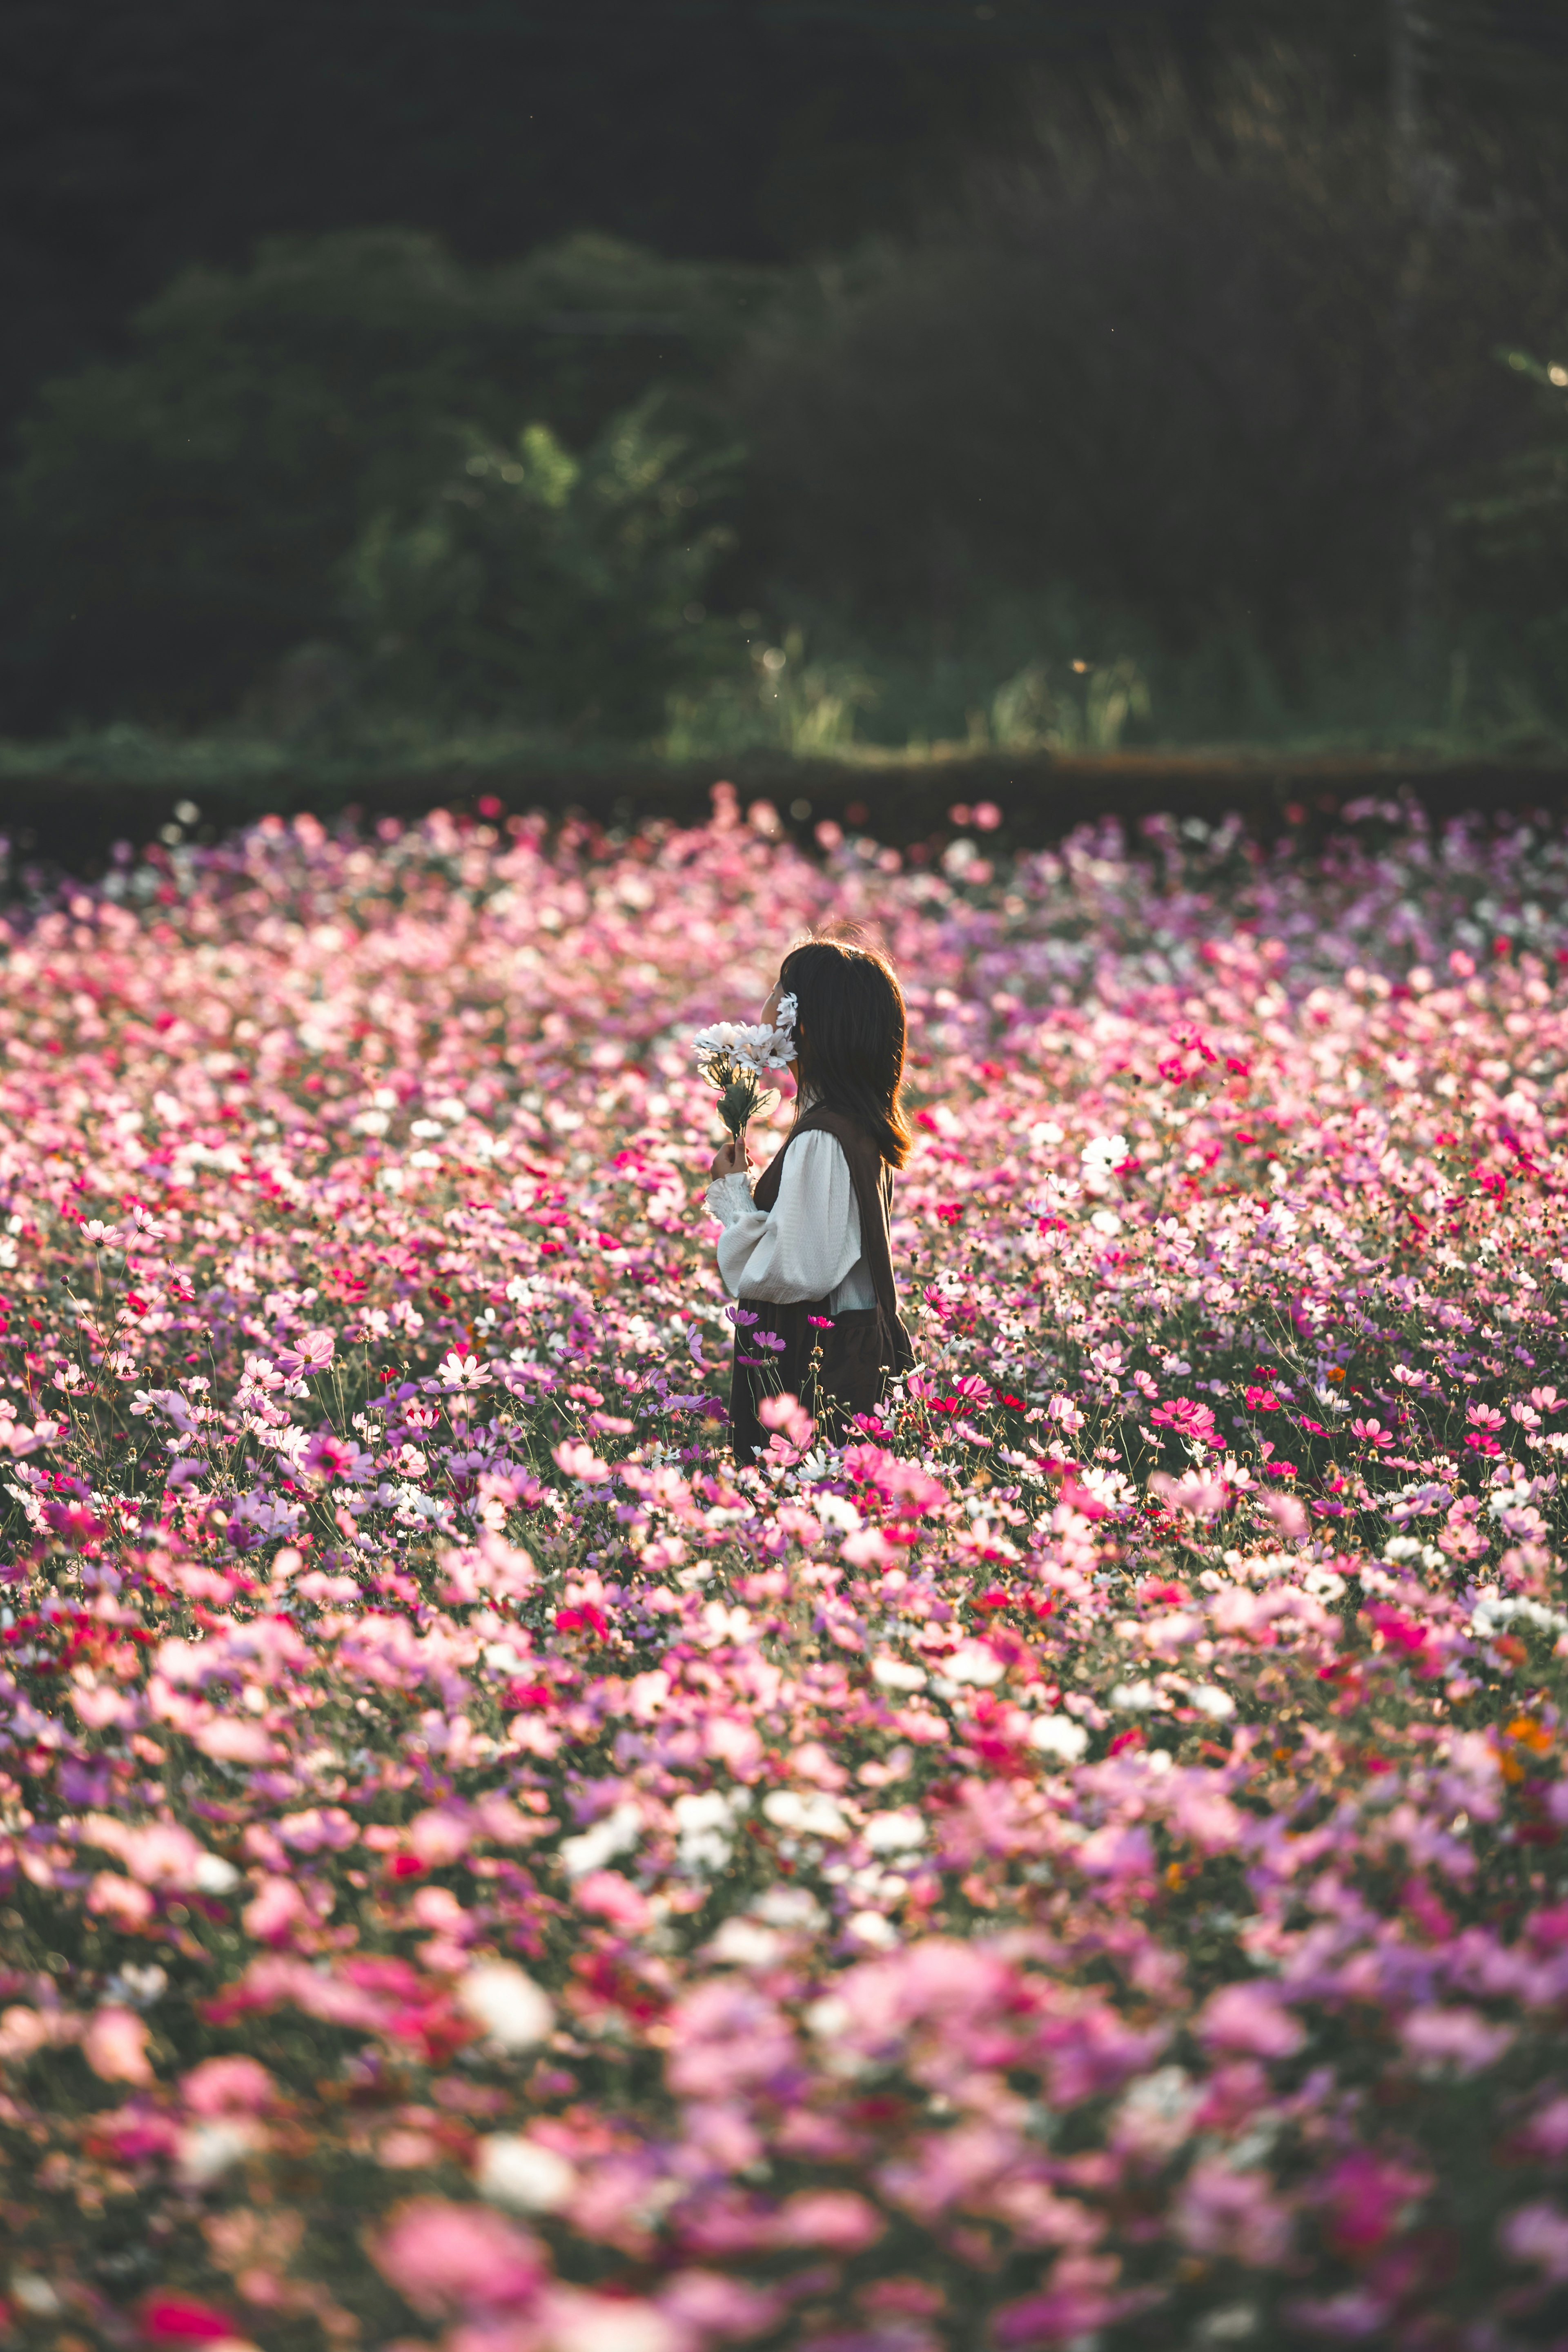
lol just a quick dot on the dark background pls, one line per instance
(933, 479)
(139, 135)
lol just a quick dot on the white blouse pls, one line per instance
(808, 1245)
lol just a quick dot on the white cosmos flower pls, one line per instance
(973, 1662)
(614, 1834)
(208, 2151)
(1135, 1699)
(745, 1944)
(893, 1833)
(704, 1826)
(1058, 1736)
(892, 1674)
(517, 2172)
(1209, 1699)
(507, 2003)
(813, 1815)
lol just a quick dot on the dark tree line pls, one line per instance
(500, 361)
(141, 136)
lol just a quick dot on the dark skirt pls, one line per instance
(836, 1372)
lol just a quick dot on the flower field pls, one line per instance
(1081, 1866)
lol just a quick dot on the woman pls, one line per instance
(807, 1253)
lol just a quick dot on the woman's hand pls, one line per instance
(732, 1159)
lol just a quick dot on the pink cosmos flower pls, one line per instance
(1365, 2195)
(1457, 2037)
(1250, 2018)
(1203, 1497)
(1547, 2129)
(1186, 1417)
(1236, 2214)
(115, 2046)
(716, 2304)
(275, 1909)
(1538, 2234)
(787, 1415)
(607, 1895)
(312, 1353)
(329, 1455)
(579, 1461)
(228, 2086)
(1083, 2296)
(835, 2219)
(448, 2258)
(725, 2036)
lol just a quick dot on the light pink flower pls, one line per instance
(313, 1353)
(580, 1461)
(610, 1897)
(1219, 2212)
(274, 1911)
(1538, 2234)
(1250, 2018)
(228, 2086)
(833, 2217)
(449, 2258)
(115, 2046)
(1459, 2037)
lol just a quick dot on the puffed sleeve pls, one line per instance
(803, 1246)
(729, 1197)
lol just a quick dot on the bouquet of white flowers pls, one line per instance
(732, 1055)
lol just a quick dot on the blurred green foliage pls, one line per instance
(1213, 370)
(536, 585)
(180, 517)
(1177, 424)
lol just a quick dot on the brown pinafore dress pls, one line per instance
(862, 1346)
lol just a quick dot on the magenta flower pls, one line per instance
(1187, 1418)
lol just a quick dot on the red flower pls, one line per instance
(177, 2319)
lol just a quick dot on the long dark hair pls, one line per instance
(849, 1030)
